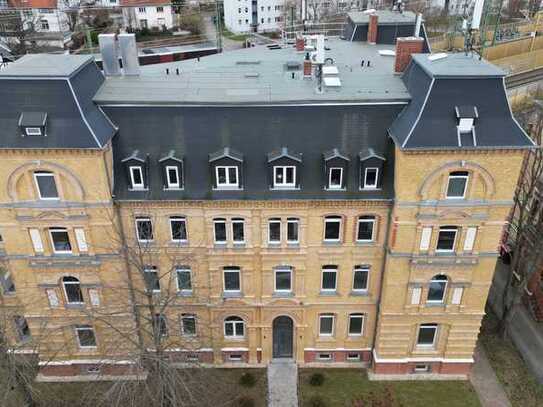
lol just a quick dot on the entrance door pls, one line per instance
(282, 337)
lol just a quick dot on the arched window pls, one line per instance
(437, 288)
(72, 290)
(234, 327)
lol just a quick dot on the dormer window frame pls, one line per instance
(226, 164)
(33, 131)
(370, 160)
(33, 124)
(228, 184)
(281, 164)
(140, 186)
(283, 169)
(169, 183)
(466, 116)
(368, 185)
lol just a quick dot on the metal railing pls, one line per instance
(328, 29)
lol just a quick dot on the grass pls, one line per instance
(351, 387)
(520, 385)
(234, 37)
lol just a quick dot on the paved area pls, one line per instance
(282, 384)
(486, 383)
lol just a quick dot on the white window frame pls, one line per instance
(444, 297)
(86, 328)
(173, 185)
(64, 283)
(465, 178)
(33, 131)
(356, 315)
(282, 270)
(355, 358)
(178, 219)
(365, 220)
(136, 186)
(372, 186)
(149, 269)
(321, 317)
(53, 230)
(442, 229)
(335, 219)
(361, 290)
(188, 316)
(38, 174)
(234, 328)
(335, 187)
(215, 222)
(295, 221)
(238, 221)
(183, 270)
(231, 270)
(274, 221)
(142, 219)
(228, 183)
(283, 169)
(324, 356)
(435, 327)
(329, 269)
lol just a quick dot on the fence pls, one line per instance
(328, 29)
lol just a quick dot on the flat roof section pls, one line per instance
(46, 65)
(384, 17)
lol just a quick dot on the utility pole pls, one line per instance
(292, 10)
(218, 25)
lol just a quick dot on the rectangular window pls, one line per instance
(283, 280)
(292, 231)
(188, 325)
(329, 278)
(136, 177)
(160, 9)
(172, 175)
(446, 239)
(141, 9)
(22, 328)
(37, 243)
(232, 279)
(324, 356)
(365, 230)
(470, 239)
(8, 287)
(152, 282)
(326, 324)
(144, 230)
(234, 357)
(227, 176)
(238, 230)
(219, 231)
(47, 188)
(425, 237)
(360, 279)
(353, 356)
(427, 335)
(178, 228)
(85, 336)
(60, 240)
(274, 231)
(184, 280)
(370, 178)
(356, 324)
(33, 131)
(284, 177)
(332, 229)
(160, 325)
(420, 368)
(456, 188)
(335, 178)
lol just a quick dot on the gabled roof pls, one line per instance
(135, 156)
(368, 153)
(170, 156)
(226, 152)
(283, 152)
(335, 153)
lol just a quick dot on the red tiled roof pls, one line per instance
(33, 3)
(142, 3)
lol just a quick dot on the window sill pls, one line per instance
(293, 245)
(227, 189)
(184, 293)
(219, 245)
(285, 189)
(274, 245)
(138, 189)
(179, 243)
(239, 245)
(335, 189)
(360, 293)
(329, 293)
(370, 189)
(74, 306)
(173, 189)
(331, 242)
(435, 305)
(233, 294)
(283, 294)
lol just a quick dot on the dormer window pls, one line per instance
(227, 169)
(172, 169)
(335, 165)
(33, 123)
(466, 116)
(285, 168)
(371, 169)
(136, 168)
(136, 177)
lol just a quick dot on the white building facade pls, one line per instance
(151, 15)
(254, 15)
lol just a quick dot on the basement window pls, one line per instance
(324, 356)
(234, 357)
(353, 357)
(421, 368)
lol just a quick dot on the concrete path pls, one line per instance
(485, 382)
(282, 384)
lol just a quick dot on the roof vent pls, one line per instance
(252, 75)
(332, 82)
(293, 66)
(248, 62)
(437, 57)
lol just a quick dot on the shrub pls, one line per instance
(247, 380)
(317, 401)
(316, 379)
(246, 402)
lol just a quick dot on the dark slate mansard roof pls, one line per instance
(60, 87)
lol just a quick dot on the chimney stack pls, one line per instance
(110, 58)
(372, 29)
(129, 53)
(405, 46)
(300, 42)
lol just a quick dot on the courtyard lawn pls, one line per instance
(351, 388)
(519, 384)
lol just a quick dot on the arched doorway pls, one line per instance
(283, 335)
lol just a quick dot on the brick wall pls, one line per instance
(372, 29)
(405, 46)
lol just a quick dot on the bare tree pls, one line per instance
(71, 8)
(18, 27)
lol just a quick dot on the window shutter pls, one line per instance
(425, 238)
(94, 297)
(470, 239)
(81, 241)
(36, 240)
(52, 297)
(415, 297)
(457, 295)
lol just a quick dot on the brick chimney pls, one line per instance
(372, 29)
(405, 46)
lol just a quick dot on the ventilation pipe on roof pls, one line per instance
(129, 53)
(110, 58)
(418, 23)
